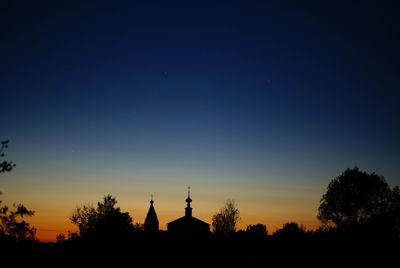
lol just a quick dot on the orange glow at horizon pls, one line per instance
(49, 235)
(270, 203)
(48, 226)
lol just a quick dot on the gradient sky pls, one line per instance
(264, 103)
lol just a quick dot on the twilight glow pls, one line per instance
(259, 103)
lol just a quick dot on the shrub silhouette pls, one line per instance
(12, 224)
(105, 223)
(5, 166)
(256, 231)
(224, 222)
(290, 230)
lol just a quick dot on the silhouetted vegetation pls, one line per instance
(224, 222)
(5, 166)
(106, 223)
(253, 232)
(108, 237)
(13, 225)
(357, 201)
(290, 230)
(257, 230)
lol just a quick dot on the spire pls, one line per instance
(188, 199)
(188, 209)
(151, 221)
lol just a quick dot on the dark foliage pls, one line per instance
(105, 223)
(107, 238)
(290, 230)
(309, 250)
(257, 231)
(13, 225)
(357, 201)
(224, 222)
(5, 166)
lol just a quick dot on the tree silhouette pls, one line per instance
(5, 166)
(290, 230)
(353, 198)
(257, 231)
(394, 211)
(84, 218)
(224, 222)
(60, 238)
(387, 223)
(138, 227)
(106, 222)
(13, 225)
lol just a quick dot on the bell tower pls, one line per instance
(151, 221)
(188, 209)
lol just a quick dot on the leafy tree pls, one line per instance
(387, 223)
(85, 218)
(224, 222)
(394, 205)
(13, 225)
(290, 230)
(257, 230)
(106, 222)
(5, 166)
(138, 227)
(60, 238)
(353, 198)
(394, 211)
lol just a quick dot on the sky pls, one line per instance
(263, 102)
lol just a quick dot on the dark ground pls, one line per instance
(163, 252)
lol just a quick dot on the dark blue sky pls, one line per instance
(250, 73)
(236, 89)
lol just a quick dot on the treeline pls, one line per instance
(356, 204)
(360, 227)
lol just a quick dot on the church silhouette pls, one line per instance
(186, 227)
(151, 221)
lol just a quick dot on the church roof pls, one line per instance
(151, 213)
(188, 225)
(188, 221)
(151, 221)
